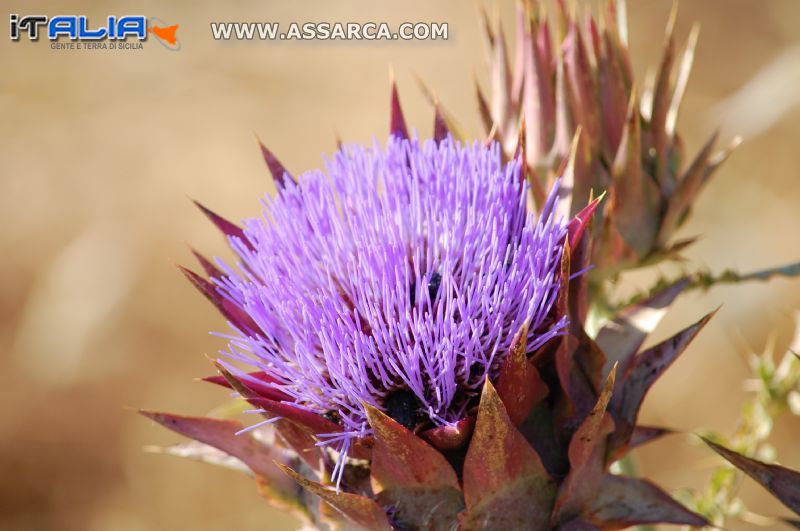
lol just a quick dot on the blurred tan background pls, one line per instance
(100, 150)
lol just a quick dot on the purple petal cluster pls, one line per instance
(398, 278)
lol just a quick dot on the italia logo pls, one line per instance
(127, 31)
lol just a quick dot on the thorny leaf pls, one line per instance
(622, 502)
(276, 169)
(644, 434)
(634, 195)
(519, 384)
(361, 511)
(202, 452)
(621, 338)
(645, 369)
(682, 80)
(397, 123)
(259, 382)
(581, 221)
(300, 437)
(686, 191)
(211, 270)
(221, 434)
(782, 482)
(505, 483)
(440, 128)
(235, 315)
(401, 459)
(587, 457)
(229, 229)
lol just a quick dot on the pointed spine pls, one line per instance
(276, 169)
(397, 122)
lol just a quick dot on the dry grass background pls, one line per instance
(100, 150)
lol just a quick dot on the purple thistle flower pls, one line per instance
(397, 278)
